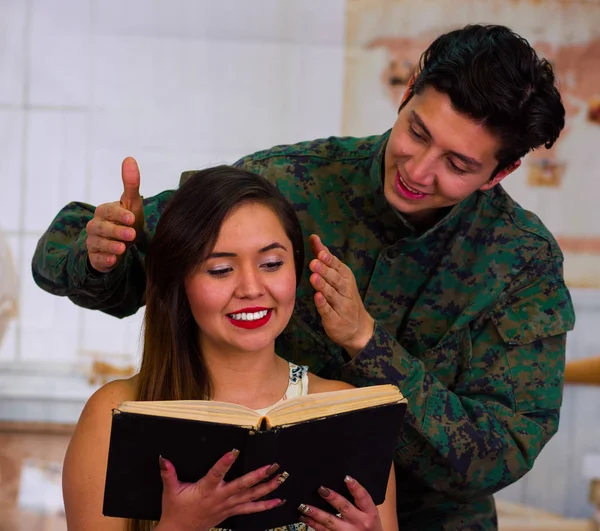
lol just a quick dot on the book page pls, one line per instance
(324, 404)
(204, 410)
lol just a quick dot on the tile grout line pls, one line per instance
(81, 321)
(24, 152)
(35, 107)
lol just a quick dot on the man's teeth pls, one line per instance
(409, 188)
(243, 316)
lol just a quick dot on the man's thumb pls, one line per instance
(131, 182)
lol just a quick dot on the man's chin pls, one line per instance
(413, 213)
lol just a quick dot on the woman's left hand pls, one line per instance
(363, 516)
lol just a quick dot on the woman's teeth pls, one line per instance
(243, 316)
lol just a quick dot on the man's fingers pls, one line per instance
(330, 294)
(97, 244)
(316, 245)
(101, 262)
(332, 276)
(108, 230)
(114, 212)
(323, 307)
(130, 173)
(332, 261)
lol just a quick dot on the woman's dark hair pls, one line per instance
(493, 76)
(172, 367)
(186, 233)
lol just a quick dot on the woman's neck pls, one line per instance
(252, 379)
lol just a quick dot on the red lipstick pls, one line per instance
(250, 324)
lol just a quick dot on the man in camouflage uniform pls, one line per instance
(433, 278)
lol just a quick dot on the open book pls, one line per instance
(318, 439)
(299, 409)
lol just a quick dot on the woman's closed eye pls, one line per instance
(269, 266)
(219, 272)
(272, 265)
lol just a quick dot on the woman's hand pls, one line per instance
(363, 516)
(202, 505)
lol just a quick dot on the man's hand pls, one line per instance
(342, 311)
(116, 225)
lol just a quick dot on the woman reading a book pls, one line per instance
(222, 273)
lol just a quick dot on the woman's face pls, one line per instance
(242, 296)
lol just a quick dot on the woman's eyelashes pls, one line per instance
(270, 265)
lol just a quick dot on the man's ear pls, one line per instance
(408, 92)
(500, 175)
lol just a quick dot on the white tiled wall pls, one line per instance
(179, 84)
(11, 165)
(12, 51)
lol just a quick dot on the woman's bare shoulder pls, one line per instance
(84, 469)
(316, 384)
(113, 393)
(97, 411)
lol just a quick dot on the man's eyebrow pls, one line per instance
(270, 247)
(470, 161)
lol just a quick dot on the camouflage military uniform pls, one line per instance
(471, 318)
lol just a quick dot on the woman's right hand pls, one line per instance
(202, 505)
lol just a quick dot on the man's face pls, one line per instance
(436, 157)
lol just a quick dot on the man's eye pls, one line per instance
(455, 168)
(415, 134)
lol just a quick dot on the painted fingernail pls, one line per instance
(304, 520)
(272, 469)
(234, 453)
(283, 476)
(304, 508)
(281, 502)
(162, 463)
(349, 481)
(324, 492)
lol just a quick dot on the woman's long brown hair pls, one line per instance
(172, 366)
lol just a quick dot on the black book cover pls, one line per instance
(316, 452)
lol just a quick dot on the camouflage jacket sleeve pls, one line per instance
(60, 263)
(482, 430)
